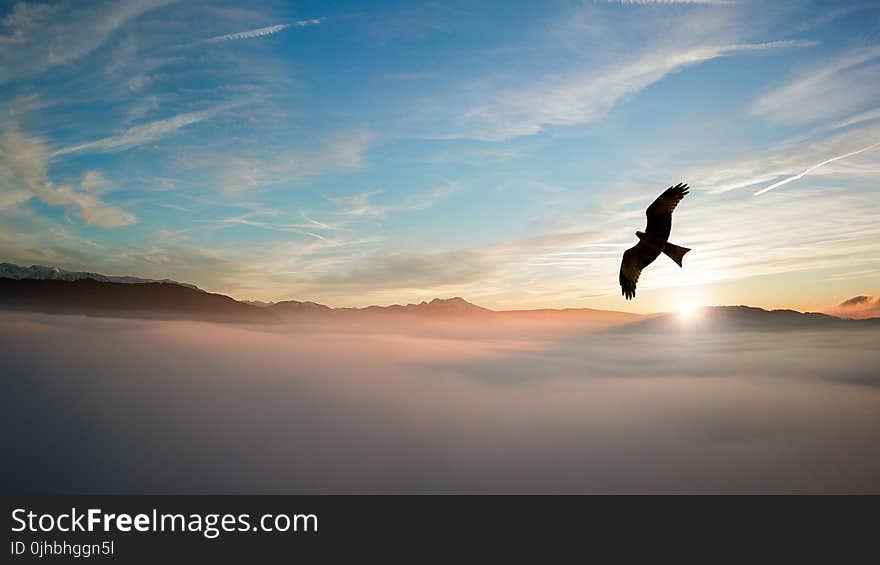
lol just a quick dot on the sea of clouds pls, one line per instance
(96, 405)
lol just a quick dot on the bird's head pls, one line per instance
(640, 234)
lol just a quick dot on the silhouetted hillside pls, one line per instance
(54, 290)
(745, 318)
(294, 309)
(450, 306)
(42, 272)
(142, 300)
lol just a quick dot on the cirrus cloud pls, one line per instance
(24, 164)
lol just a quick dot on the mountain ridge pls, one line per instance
(127, 300)
(54, 290)
(745, 318)
(42, 272)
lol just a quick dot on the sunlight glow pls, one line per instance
(688, 308)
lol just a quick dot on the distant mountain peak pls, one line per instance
(258, 303)
(455, 304)
(453, 300)
(291, 306)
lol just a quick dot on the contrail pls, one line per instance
(262, 31)
(813, 168)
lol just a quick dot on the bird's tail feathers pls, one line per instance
(675, 252)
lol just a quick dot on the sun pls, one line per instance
(688, 308)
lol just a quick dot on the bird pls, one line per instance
(653, 241)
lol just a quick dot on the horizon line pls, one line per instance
(401, 304)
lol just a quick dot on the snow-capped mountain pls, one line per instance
(41, 272)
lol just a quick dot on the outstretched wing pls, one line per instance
(634, 260)
(660, 212)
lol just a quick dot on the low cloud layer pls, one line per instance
(174, 407)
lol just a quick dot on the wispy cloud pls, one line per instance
(84, 204)
(589, 95)
(263, 31)
(141, 134)
(835, 13)
(868, 116)
(25, 159)
(360, 205)
(422, 272)
(809, 170)
(342, 152)
(774, 168)
(37, 37)
(142, 107)
(846, 83)
(259, 216)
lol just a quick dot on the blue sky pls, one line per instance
(360, 153)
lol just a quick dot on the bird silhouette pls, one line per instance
(653, 241)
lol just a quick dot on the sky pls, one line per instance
(376, 153)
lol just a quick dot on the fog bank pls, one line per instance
(137, 406)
